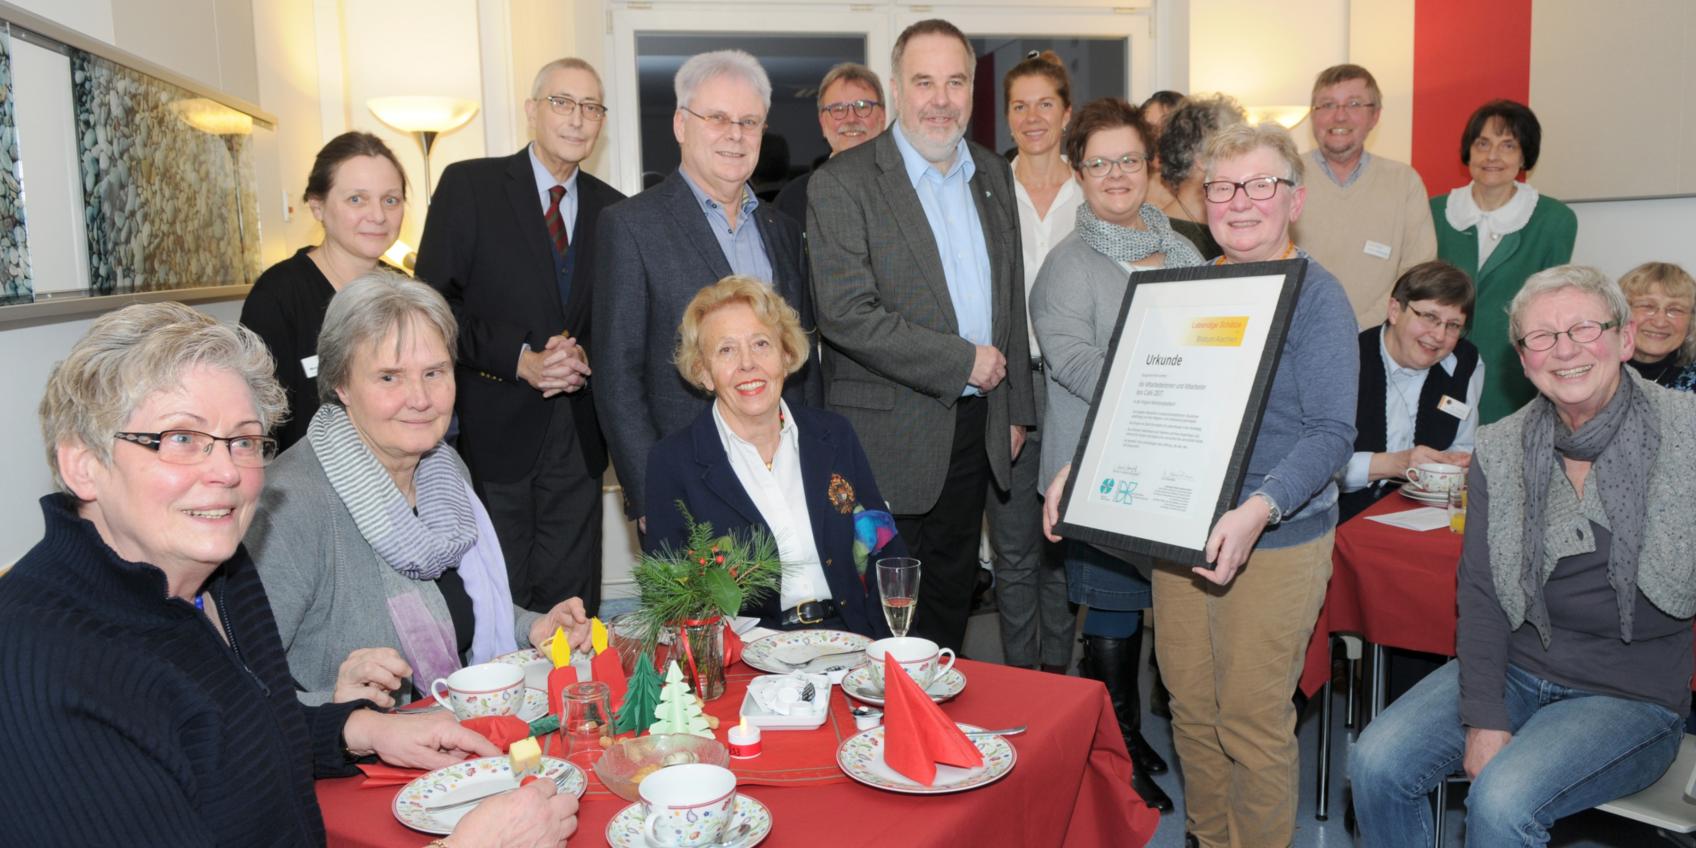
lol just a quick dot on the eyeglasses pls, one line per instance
(1673, 311)
(721, 122)
(1583, 332)
(1100, 167)
(192, 447)
(1430, 319)
(861, 108)
(1257, 188)
(566, 107)
(1353, 107)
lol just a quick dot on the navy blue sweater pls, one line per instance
(127, 720)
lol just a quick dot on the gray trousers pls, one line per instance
(1037, 622)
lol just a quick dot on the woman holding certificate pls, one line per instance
(1074, 305)
(1233, 632)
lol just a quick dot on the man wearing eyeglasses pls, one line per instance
(1368, 219)
(1420, 383)
(509, 242)
(919, 276)
(699, 225)
(851, 113)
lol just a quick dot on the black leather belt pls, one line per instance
(809, 612)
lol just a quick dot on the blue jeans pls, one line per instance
(1571, 750)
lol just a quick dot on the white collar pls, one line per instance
(1463, 213)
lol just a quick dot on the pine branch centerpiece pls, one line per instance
(690, 592)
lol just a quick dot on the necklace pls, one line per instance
(1289, 250)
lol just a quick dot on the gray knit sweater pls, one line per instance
(329, 590)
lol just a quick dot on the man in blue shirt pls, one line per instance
(918, 278)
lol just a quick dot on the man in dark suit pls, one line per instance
(851, 113)
(510, 243)
(659, 248)
(918, 276)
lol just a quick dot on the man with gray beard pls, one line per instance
(918, 280)
(851, 113)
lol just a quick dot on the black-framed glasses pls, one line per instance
(1099, 167)
(1257, 188)
(860, 108)
(722, 122)
(1435, 322)
(565, 107)
(1352, 106)
(192, 447)
(1583, 332)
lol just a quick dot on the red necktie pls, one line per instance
(556, 221)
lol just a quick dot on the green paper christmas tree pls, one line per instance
(679, 711)
(640, 699)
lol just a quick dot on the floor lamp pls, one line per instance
(424, 118)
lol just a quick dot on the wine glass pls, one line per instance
(898, 583)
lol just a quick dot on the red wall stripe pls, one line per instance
(1464, 54)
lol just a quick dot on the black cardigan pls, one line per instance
(286, 308)
(127, 720)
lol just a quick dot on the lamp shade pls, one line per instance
(1287, 116)
(422, 114)
(212, 117)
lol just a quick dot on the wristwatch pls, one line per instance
(1273, 513)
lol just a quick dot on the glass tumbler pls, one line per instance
(586, 719)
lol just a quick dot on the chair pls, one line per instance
(1669, 804)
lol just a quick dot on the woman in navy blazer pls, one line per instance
(752, 461)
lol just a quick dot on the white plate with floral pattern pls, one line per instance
(861, 758)
(409, 803)
(806, 646)
(750, 821)
(861, 686)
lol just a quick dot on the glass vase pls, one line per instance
(698, 648)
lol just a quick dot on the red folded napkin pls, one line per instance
(732, 647)
(916, 734)
(558, 679)
(501, 731)
(378, 774)
(609, 669)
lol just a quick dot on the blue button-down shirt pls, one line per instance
(742, 246)
(1348, 179)
(953, 216)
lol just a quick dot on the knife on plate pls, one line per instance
(470, 794)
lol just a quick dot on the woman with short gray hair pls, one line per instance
(1574, 590)
(373, 511)
(1180, 144)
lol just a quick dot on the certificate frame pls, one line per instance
(1232, 315)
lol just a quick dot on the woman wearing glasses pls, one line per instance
(1662, 295)
(1501, 231)
(1074, 307)
(383, 569)
(357, 191)
(136, 639)
(1575, 594)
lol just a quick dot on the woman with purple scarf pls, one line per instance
(383, 570)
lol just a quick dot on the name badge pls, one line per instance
(1458, 409)
(310, 364)
(1378, 249)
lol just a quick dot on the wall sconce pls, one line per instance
(424, 118)
(1289, 117)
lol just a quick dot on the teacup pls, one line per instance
(922, 658)
(1436, 477)
(485, 689)
(687, 806)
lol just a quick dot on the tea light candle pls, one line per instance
(744, 740)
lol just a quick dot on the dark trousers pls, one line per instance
(945, 539)
(549, 522)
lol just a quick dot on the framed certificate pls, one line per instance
(1166, 444)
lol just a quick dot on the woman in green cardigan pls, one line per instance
(1501, 231)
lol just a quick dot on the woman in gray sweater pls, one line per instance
(383, 570)
(1575, 591)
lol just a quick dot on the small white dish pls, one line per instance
(750, 821)
(803, 715)
(861, 686)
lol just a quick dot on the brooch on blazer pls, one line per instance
(841, 494)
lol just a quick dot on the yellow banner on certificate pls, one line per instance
(1217, 331)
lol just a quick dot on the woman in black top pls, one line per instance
(1662, 297)
(357, 190)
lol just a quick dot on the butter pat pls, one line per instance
(526, 756)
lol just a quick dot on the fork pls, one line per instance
(808, 664)
(1005, 731)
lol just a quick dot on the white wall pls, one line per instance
(1619, 235)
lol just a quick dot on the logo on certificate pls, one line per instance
(1217, 331)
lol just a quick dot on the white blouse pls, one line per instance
(780, 496)
(1038, 234)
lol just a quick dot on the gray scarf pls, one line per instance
(1621, 442)
(1128, 244)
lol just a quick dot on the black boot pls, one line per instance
(1114, 663)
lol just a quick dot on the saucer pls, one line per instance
(1424, 497)
(750, 821)
(861, 686)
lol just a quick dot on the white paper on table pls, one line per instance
(1422, 519)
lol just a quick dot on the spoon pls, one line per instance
(1005, 731)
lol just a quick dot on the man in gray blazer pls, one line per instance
(659, 248)
(919, 282)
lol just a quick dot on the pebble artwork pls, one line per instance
(167, 206)
(16, 286)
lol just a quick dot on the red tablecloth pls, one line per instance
(1070, 786)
